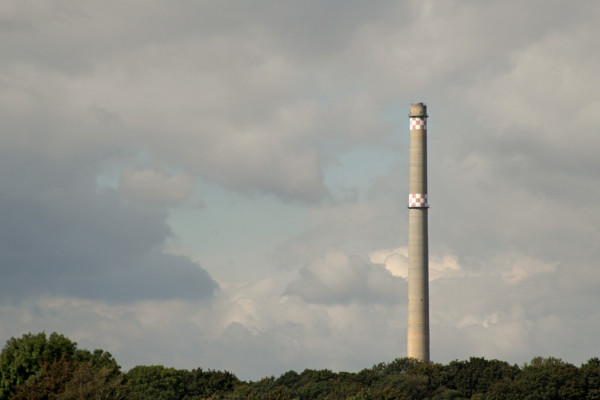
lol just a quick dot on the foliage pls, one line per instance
(73, 380)
(93, 382)
(551, 378)
(40, 367)
(477, 374)
(55, 376)
(590, 373)
(22, 358)
(199, 384)
(36, 367)
(154, 382)
(99, 359)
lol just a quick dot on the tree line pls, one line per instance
(41, 367)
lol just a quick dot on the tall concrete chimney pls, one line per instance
(418, 251)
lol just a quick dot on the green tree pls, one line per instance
(367, 377)
(72, 380)
(199, 384)
(316, 384)
(90, 382)
(48, 384)
(99, 359)
(507, 389)
(22, 358)
(400, 386)
(551, 378)
(444, 393)
(477, 374)
(155, 383)
(260, 389)
(399, 366)
(590, 373)
(288, 379)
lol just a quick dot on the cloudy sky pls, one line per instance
(224, 184)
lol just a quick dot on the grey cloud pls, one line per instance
(232, 100)
(514, 166)
(336, 278)
(226, 121)
(511, 321)
(61, 237)
(155, 187)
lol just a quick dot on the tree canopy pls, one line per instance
(40, 367)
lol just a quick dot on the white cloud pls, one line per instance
(337, 278)
(498, 332)
(515, 267)
(396, 261)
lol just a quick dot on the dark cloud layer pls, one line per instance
(59, 236)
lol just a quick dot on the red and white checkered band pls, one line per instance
(418, 123)
(417, 200)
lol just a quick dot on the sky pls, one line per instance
(224, 184)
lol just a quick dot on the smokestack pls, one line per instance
(418, 251)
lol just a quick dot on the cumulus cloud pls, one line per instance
(336, 278)
(514, 267)
(61, 237)
(193, 334)
(396, 262)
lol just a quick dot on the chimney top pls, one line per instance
(418, 110)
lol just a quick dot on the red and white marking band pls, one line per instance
(418, 123)
(417, 200)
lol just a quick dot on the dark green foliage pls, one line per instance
(50, 382)
(398, 366)
(444, 393)
(315, 384)
(551, 378)
(199, 384)
(72, 380)
(590, 373)
(161, 383)
(40, 367)
(319, 384)
(289, 379)
(99, 359)
(92, 381)
(36, 367)
(478, 374)
(22, 358)
(262, 388)
(154, 382)
(507, 389)
(406, 378)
